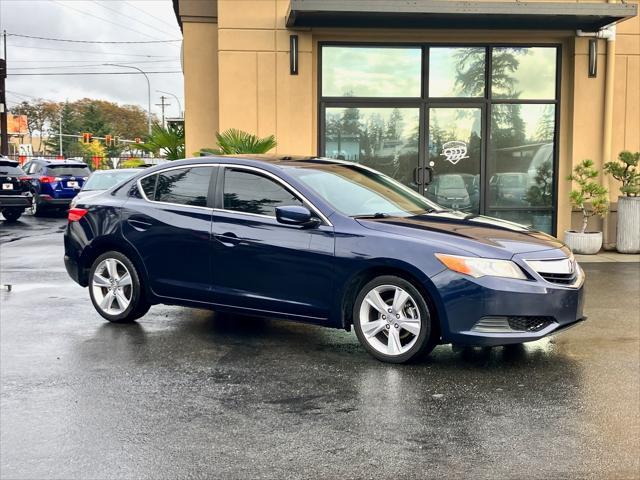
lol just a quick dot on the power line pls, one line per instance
(89, 73)
(92, 65)
(85, 51)
(87, 41)
(149, 14)
(65, 60)
(82, 12)
(117, 12)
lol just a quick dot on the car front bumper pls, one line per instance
(484, 311)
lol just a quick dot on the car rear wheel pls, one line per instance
(115, 288)
(392, 320)
(11, 214)
(36, 206)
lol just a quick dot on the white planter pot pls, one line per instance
(588, 243)
(628, 236)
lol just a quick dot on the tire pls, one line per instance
(36, 206)
(11, 214)
(393, 333)
(116, 302)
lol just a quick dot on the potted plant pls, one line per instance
(625, 170)
(540, 194)
(591, 198)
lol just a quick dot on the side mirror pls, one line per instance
(296, 215)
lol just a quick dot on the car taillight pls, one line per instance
(76, 214)
(47, 179)
(24, 179)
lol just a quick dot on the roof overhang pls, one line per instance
(457, 14)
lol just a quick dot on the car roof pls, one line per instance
(133, 171)
(282, 159)
(48, 161)
(10, 160)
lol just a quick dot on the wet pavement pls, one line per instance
(188, 393)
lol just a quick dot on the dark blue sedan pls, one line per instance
(321, 241)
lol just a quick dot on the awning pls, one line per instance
(457, 14)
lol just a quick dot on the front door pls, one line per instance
(260, 264)
(454, 152)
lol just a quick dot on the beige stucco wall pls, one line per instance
(256, 93)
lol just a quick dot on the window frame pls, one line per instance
(212, 182)
(219, 193)
(424, 102)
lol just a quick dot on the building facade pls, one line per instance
(481, 106)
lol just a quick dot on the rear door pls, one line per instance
(168, 222)
(261, 264)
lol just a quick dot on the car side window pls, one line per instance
(250, 192)
(185, 186)
(149, 186)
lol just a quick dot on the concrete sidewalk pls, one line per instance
(606, 256)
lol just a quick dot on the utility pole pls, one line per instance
(4, 137)
(162, 104)
(60, 130)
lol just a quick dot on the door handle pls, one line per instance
(417, 178)
(230, 239)
(139, 225)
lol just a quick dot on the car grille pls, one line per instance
(529, 324)
(560, 278)
(561, 272)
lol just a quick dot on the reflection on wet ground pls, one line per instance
(188, 392)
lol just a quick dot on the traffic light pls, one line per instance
(138, 140)
(108, 140)
(86, 137)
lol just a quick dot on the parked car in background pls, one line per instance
(102, 180)
(509, 188)
(449, 190)
(14, 190)
(54, 183)
(322, 241)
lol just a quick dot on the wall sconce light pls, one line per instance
(293, 54)
(593, 57)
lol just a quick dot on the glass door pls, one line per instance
(454, 157)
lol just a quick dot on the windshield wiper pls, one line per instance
(373, 215)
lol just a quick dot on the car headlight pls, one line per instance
(480, 267)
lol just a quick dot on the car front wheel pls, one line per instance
(115, 288)
(392, 320)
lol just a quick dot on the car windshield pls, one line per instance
(70, 170)
(451, 182)
(10, 168)
(106, 180)
(360, 192)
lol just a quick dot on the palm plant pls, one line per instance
(234, 141)
(167, 141)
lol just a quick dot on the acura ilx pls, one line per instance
(323, 241)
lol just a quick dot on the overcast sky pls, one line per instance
(94, 20)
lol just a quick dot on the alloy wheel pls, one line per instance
(112, 286)
(390, 319)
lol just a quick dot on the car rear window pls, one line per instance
(10, 168)
(72, 170)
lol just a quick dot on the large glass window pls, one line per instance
(457, 71)
(371, 71)
(185, 186)
(524, 73)
(250, 192)
(471, 127)
(382, 138)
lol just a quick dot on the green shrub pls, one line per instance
(625, 170)
(590, 197)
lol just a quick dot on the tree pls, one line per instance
(626, 171)
(167, 141)
(395, 125)
(234, 141)
(92, 150)
(590, 197)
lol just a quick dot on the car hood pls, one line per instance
(480, 235)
